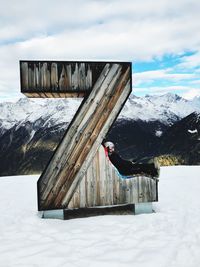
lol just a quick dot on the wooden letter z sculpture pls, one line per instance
(105, 88)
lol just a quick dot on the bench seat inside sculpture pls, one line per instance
(103, 190)
(102, 185)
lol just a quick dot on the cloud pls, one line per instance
(96, 30)
(191, 61)
(185, 91)
(190, 94)
(114, 29)
(162, 74)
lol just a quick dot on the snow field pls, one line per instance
(168, 238)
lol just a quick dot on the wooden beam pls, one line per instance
(97, 211)
(58, 77)
(84, 136)
(55, 95)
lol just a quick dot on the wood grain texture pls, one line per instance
(79, 175)
(87, 212)
(55, 95)
(58, 77)
(110, 187)
(83, 138)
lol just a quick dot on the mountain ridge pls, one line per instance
(166, 108)
(30, 130)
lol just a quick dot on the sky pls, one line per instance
(161, 39)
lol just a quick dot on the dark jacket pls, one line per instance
(126, 167)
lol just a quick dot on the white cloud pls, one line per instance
(133, 29)
(196, 82)
(156, 90)
(191, 61)
(190, 94)
(163, 74)
(97, 30)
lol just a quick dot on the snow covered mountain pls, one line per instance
(39, 112)
(183, 139)
(167, 109)
(31, 129)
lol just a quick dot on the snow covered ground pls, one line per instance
(168, 238)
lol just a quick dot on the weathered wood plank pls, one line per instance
(84, 143)
(32, 95)
(69, 141)
(75, 177)
(54, 76)
(119, 182)
(24, 75)
(87, 212)
(63, 81)
(103, 120)
(115, 191)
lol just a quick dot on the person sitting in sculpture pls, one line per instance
(128, 168)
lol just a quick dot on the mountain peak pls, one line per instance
(23, 100)
(167, 96)
(172, 97)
